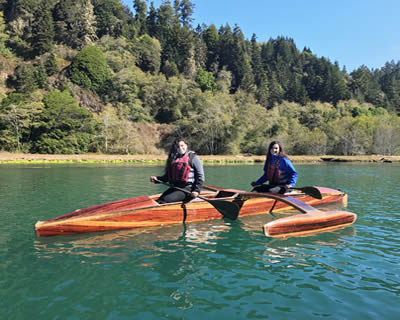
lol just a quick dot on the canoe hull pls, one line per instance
(144, 211)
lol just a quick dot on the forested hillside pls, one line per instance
(81, 76)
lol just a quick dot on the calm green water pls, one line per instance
(196, 271)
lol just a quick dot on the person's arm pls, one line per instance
(261, 179)
(287, 166)
(199, 176)
(163, 178)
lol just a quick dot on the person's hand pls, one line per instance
(253, 184)
(154, 179)
(195, 194)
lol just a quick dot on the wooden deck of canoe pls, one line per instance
(144, 211)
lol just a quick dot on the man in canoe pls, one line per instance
(278, 171)
(183, 170)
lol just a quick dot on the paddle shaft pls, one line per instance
(226, 208)
(311, 191)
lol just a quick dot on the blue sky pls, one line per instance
(351, 32)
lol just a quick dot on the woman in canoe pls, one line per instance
(183, 170)
(278, 171)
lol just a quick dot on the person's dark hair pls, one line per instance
(173, 151)
(281, 152)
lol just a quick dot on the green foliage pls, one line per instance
(24, 79)
(211, 39)
(42, 29)
(148, 54)
(140, 16)
(75, 23)
(112, 19)
(13, 98)
(169, 100)
(41, 77)
(212, 129)
(206, 80)
(119, 53)
(170, 69)
(64, 126)
(3, 36)
(50, 65)
(89, 69)
(18, 119)
(230, 94)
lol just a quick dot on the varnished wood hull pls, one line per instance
(144, 211)
(306, 224)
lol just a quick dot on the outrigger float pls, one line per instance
(144, 211)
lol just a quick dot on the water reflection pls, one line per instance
(117, 243)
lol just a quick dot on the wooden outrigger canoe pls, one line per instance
(144, 211)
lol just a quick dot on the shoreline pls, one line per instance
(14, 158)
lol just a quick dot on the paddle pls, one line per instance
(228, 209)
(311, 191)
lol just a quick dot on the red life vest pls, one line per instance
(273, 172)
(178, 172)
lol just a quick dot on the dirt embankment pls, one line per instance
(6, 157)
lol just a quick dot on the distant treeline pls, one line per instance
(79, 76)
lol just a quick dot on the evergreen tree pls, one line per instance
(390, 84)
(313, 77)
(296, 91)
(262, 91)
(4, 36)
(256, 61)
(41, 76)
(75, 23)
(267, 55)
(43, 29)
(186, 8)
(334, 87)
(109, 17)
(50, 64)
(240, 67)
(164, 27)
(20, 15)
(140, 16)
(23, 79)
(225, 52)
(199, 51)
(275, 91)
(211, 39)
(151, 21)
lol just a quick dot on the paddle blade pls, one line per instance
(228, 209)
(311, 191)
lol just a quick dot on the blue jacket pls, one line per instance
(288, 172)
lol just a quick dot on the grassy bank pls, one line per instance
(6, 157)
